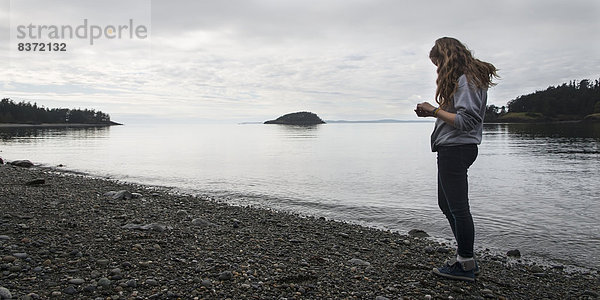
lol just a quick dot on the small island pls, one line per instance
(303, 118)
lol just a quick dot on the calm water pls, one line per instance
(533, 187)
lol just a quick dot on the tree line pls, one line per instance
(27, 113)
(576, 99)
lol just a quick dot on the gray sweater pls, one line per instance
(469, 106)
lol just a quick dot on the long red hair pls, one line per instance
(453, 59)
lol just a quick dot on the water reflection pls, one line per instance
(567, 129)
(567, 140)
(298, 132)
(30, 134)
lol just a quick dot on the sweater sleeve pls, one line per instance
(467, 102)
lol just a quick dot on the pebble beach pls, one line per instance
(73, 236)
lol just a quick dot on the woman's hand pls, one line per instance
(424, 109)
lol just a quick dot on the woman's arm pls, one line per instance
(427, 110)
(468, 102)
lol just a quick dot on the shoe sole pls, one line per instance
(463, 278)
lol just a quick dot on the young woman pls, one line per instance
(461, 94)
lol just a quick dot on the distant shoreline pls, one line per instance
(385, 121)
(57, 125)
(538, 118)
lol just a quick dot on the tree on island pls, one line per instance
(572, 101)
(27, 113)
(303, 118)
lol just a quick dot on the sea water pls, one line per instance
(533, 187)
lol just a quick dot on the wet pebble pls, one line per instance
(514, 253)
(77, 281)
(131, 283)
(151, 282)
(418, 233)
(442, 250)
(104, 282)
(536, 269)
(9, 258)
(5, 293)
(227, 275)
(70, 290)
(103, 262)
(206, 283)
(359, 262)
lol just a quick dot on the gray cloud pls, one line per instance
(344, 59)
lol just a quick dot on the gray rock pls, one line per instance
(5, 293)
(9, 258)
(359, 262)
(76, 281)
(151, 282)
(442, 250)
(33, 296)
(429, 250)
(103, 262)
(151, 227)
(70, 290)
(109, 194)
(536, 269)
(201, 222)
(418, 233)
(487, 291)
(122, 195)
(236, 223)
(104, 282)
(115, 271)
(118, 195)
(206, 283)
(20, 255)
(227, 275)
(381, 298)
(514, 253)
(136, 195)
(22, 163)
(89, 288)
(4, 237)
(131, 283)
(37, 181)
(116, 277)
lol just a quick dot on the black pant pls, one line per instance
(453, 199)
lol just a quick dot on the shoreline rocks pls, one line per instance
(65, 238)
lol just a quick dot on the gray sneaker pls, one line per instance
(455, 271)
(476, 270)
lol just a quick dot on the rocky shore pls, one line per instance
(66, 236)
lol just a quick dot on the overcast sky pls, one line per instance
(252, 60)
